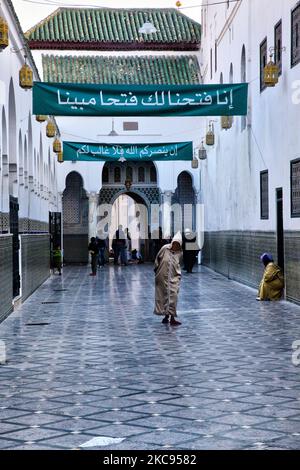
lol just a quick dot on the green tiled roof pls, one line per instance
(106, 28)
(183, 70)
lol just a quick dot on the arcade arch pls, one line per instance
(75, 219)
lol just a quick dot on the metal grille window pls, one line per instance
(129, 173)
(264, 195)
(153, 174)
(295, 59)
(117, 175)
(295, 188)
(185, 196)
(263, 62)
(278, 46)
(105, 175)
(72, 198)
(185, 189)
(141, 173)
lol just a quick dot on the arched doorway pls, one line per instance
(185, 197)
(131, 212)
(131, 186)
(75, 220)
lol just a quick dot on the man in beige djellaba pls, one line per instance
(167, 280)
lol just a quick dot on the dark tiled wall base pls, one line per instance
(4, 222)
(32, 226)
(25, 225)
(292, 265)
(236, 254)
(6, 277)
(76, 248)
(35, 262)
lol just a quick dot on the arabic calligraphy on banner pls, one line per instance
(77, 151)
(61, 99)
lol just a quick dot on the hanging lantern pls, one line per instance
(226, 122)
(4, 41)
(271, 74)
(128, 184)
(202, 154)
(50, 129)
(210, 136)
(26, 77)
(40, 118)
(60, 157)
(195, 163)
(178, 4)
(57, 148)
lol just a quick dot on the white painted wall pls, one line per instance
(34, 184)
(231, 175)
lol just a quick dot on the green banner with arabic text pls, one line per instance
(69, 99)
(77, 151)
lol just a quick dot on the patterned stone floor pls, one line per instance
(86, 359)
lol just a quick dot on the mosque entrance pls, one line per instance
(131, 190)
(130, 213)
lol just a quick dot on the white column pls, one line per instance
(5, 184)
(166, 213)
(93, 205)
(200, 222)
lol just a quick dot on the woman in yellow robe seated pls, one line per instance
(272, 284)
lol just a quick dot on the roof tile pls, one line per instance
(142, 70)
(104, 28)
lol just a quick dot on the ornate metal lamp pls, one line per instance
(271, 73)
(26, 76)
(210, 136)
(128, 184)
(195, 163)
(60, 157)
(50, 129)
(226, 122)
(4, 40)
(57, 147)
(199, 154)
(40, 118)
(202, 153)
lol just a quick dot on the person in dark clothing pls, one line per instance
(190, 250)
(119, 246)
(94, 251)
(137, 257)
(101, 242)
(155, 243)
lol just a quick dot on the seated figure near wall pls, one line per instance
(272, 284)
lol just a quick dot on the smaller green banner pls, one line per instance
(90, 152)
